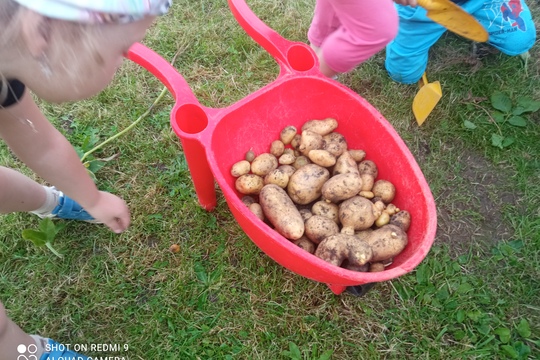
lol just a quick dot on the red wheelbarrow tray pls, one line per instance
(213, 139)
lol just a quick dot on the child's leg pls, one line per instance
(324, 23)
(12, 338)
(365, 27)
(509, 24)
(407, 55)
(18, 192)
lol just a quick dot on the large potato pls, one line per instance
(306, 183)
(279, 209)
(277, 176)
(341, 187)
(387, 242)
(321, 127)
(357, 213)
(330, 210)
(345, 164)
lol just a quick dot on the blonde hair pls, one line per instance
(65, 38)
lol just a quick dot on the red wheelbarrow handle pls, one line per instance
(291, 56)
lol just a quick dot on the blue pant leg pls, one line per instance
(509, 24)
(407, 55)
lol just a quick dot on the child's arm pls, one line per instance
(38, 144)
(412, 3)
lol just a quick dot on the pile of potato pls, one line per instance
(324, 197)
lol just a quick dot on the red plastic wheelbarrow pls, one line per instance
(213, 139)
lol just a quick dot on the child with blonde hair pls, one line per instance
(60, 50)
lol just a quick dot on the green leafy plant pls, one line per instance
(506, 112)
(45, 235)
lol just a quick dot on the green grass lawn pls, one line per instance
(476, 295)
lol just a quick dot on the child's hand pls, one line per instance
(111, 211)
(412, 3)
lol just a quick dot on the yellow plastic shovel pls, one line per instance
(455, 19)
(425, 100)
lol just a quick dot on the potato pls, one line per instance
(376, 267)
(345, 164)
(363, 234)
(281, 212)
(249, 184)
(287, 134)
(321, 127)
(250, 155)
(240, 168)
(401, 219)
(301, 161)
(368, 172)
(319, 227)
(322, 158)
(248, 200)
(337, 249)
(276, 148)
(330, 210)
(310, 141)
(257, 210)
(295, 142)
(306, 183)
(278, 177)
(287, 169)
(263, 164)
(286, 159)
(357, 213)
(387, 242)
(358, 155)
(341, 187)
(335, 143)
(385, 190)
(383, 219)
(305, 244)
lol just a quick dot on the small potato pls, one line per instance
(287, 134)
(288, 169)
(366, 194)
(295, 142)
(385, 190)
(323, 208)
(301, 161)
(248, 200)
(249, 184)
(322, 158)
(335, 143)
(368, 172)
(310, 141)
(278, 177)
(240, 168)
(376, 267)
(276, 148)
(321, 127)
(383, 219)
(358, 155)
(319, 227)
(250, 155)
(345, 164)
(387, 242)
(257, 210)
(337, 249)
(279, 209)
(286, 159)
(263, 164)
(305, 244)
(401, 219)
(341, 187)
(306, 183)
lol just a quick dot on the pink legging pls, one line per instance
(349, 32)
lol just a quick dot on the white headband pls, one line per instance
(98, 11)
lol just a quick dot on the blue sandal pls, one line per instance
(69, 209)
